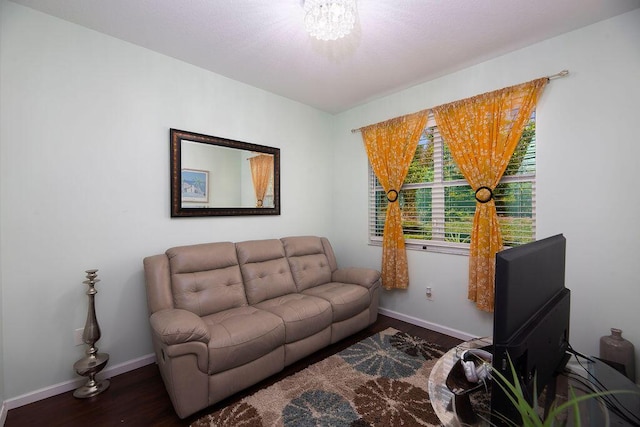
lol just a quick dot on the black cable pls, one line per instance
(617, 409)
(577, 353)
(592, 388)
(602, 386)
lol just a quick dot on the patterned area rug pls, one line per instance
(380, 381)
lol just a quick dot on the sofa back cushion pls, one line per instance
(265, 270)
(308, 260)
(206, 278)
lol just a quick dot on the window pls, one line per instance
(438, 205)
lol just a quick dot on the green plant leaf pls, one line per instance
(530, 415)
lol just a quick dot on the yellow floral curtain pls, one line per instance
(261, 172)
(482, 133)
(390, 147)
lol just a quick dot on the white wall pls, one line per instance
(2, 323)
(84, 162)
(588, 151)
(84, 150)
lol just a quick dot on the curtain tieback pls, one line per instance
(392, 196)
(484, 199)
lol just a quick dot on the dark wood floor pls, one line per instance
(138, 397)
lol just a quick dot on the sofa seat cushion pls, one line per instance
(303, 315)
(241, 335)
(346, 300)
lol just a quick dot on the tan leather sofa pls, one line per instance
(227, 315)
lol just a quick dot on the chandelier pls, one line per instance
(329, 19)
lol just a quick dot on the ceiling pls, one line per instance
(396, 43)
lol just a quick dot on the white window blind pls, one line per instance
(438, 205)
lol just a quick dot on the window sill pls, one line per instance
(428, 246)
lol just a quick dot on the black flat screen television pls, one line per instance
(531, 319)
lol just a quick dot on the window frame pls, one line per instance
(438, 186)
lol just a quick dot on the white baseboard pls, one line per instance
(427, 325)
(3, 414)
(66, 386)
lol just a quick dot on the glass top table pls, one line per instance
(441, 397)
(578, 376)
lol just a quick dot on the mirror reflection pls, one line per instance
(218, 176)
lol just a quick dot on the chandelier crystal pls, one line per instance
(329, 19)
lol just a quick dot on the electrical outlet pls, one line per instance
(77, 336)
(429, 293)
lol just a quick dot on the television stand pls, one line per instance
(580, 377)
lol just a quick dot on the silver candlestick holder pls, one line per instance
(93, 362)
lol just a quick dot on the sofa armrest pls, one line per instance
(175, 326)
(366, 277)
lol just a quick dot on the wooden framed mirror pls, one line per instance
(213, 176)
